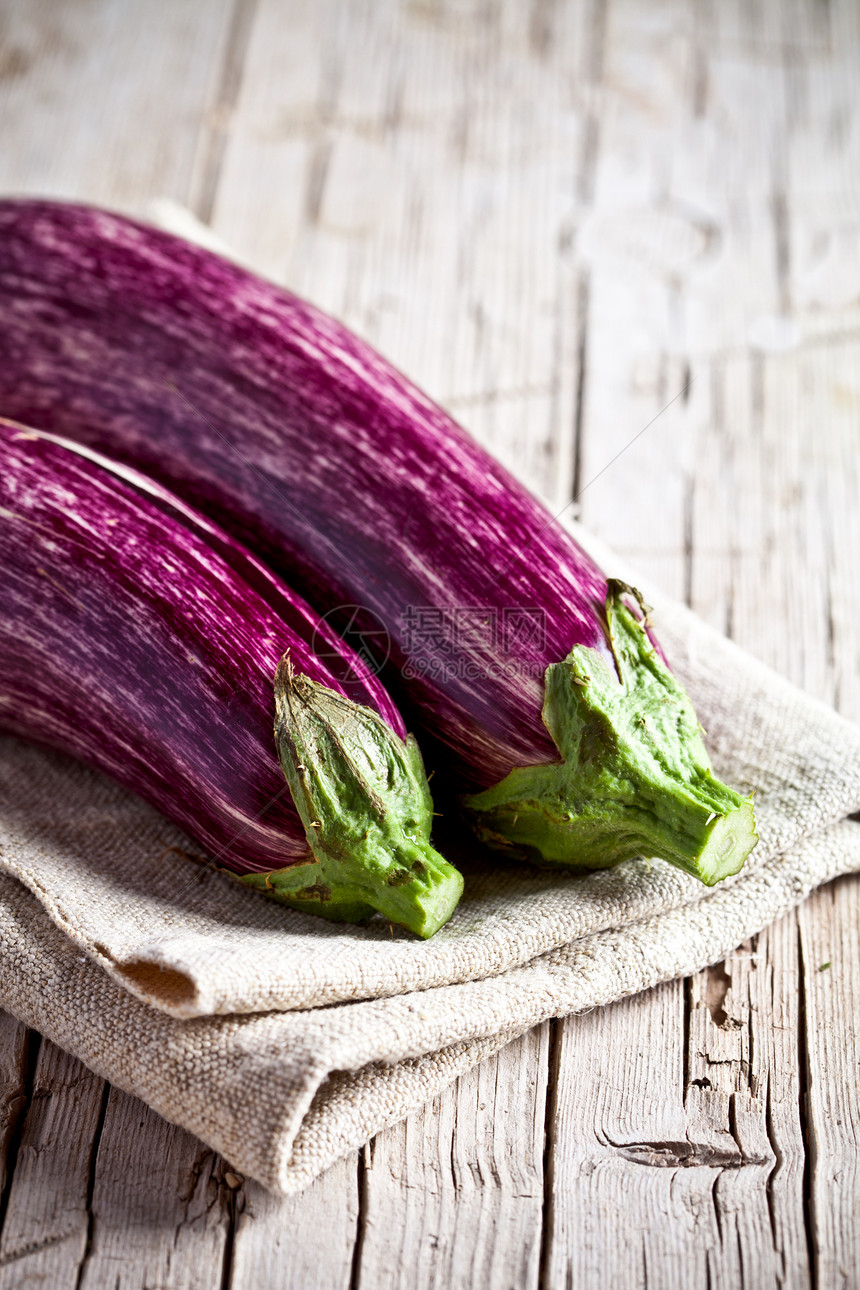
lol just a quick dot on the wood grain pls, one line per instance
(109, 102)
(453, 1196)
(307, 1240)
(830, 1038)
(46, 1226)
(15, 1045)
(161, 1205)
(618, 239)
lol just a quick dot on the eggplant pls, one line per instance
(535, 675)
(138, 637)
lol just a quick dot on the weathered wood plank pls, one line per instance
(453, 1196)
(830, 951)
(424, 166)
(737, 474)
(107, 102)
(415, 169)
(161, 1205)
(47, 1221)
(307, 1240)
(613, 1218)
(78, 82)
(676, 1149)
(786, 598)
(15, 1043)
(742, 1100)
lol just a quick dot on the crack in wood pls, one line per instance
(594, 78)
(782, 247)
(772, 1175)
(203, 1157)
(688, 513)
(233, 1204)
(541, 28)
(733, 1129)
(35, 1247)
(549, 1143)
(717, 1207)
(685, 1155)
(717, 985)
(748, 1067)
(17, 1110)
(52, 1090)
(363, 1166)
(91, 1183)
(236, 48)
(582, 304)
(803, 1078)
(317, 176)
(700, 82)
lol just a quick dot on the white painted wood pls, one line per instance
(742, 1095)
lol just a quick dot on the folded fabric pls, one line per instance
(284, 1041)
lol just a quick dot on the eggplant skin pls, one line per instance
(131, 640)
(310, 448)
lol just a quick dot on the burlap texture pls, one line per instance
(283, 1041)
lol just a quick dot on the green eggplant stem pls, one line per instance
(634, 779)
(363, 798)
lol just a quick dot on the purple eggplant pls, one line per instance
(309, 447)
(138, 637)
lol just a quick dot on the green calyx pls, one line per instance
(365, 804)
(634, 778)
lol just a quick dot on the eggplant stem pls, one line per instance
(634, 779)
(363, 798)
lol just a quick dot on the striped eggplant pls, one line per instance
(137, 636)
(511, 647)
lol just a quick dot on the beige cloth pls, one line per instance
(284, 1041)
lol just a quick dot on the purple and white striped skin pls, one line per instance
(131, 637)
(309, 447)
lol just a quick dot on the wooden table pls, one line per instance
(619, 240)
